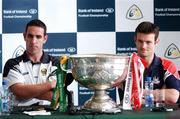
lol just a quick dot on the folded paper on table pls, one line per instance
(40, 112)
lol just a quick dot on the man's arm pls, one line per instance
(41, 91)
(171, 96)
(46, 96)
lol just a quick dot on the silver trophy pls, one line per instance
(99, 72)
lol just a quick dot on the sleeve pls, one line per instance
(12, 73)
(170, 68)
(171, 76)
(172, 82)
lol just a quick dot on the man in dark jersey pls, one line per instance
(28, 75)
(163, 72)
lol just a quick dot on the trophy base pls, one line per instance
(101, 102)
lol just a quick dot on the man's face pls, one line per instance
(145, 44)
(35, 39)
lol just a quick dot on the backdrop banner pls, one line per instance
(89, 26)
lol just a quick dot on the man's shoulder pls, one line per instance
(50, 58)
(170, 67)
(166, 62)
(14, 61)
(54, 60)
(11, 64)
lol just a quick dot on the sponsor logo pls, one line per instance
(156, 80)
(71, 49)
(126, 98)
(109, 10)
(172, 52)
(18, 51)
(134, 13)
(33, 11)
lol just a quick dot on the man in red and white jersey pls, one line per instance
(163, 72)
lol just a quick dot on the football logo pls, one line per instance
(134, 13)
(18, 51)
(172, 52)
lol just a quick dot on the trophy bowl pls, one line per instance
(99, 72)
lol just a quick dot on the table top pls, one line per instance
(142, 114)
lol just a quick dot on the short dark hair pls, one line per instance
(147, 28)
(37, 22)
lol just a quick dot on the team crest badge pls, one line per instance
(134, 13)
(172, 52)
(44, 72)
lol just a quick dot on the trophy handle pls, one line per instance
(63, 60)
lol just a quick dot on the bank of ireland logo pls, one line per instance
(33, 11)
(71, 49)
(18, 51)
(134, 13)
(172, 52)
(109, 10)
(127, 98)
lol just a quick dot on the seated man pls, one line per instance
(30, 76)
(163, 71)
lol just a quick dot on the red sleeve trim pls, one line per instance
(170, 67)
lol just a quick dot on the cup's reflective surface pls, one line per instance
(99, 72)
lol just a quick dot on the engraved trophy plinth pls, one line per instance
(99, 72)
